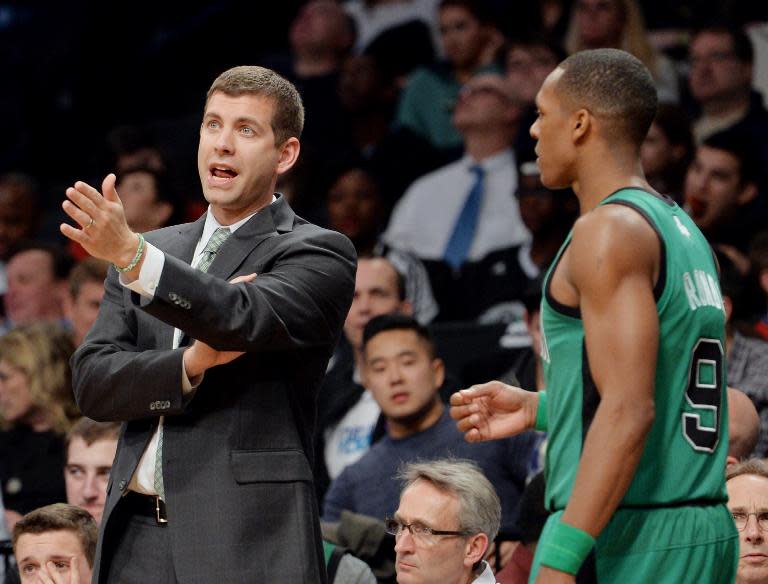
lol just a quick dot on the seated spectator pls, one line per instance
(747, 354)
(19, 216)
(497, 282)
(345, 568)
(37, 275)
(721, 190)
(667, 151)
(527, 62)
(758, 257)
(619, 24)
(91, 448)
(355, 207)
(721, 68)
(86, 290)
(55, 545)
(347, 413)
(36, 409)
(403, 375)
(743, 426)
(148, 198)
(448, 515)
(465, 210)
(470, 40)
(747, 485)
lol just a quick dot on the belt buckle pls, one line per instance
(160, 513)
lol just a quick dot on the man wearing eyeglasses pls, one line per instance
(747, 485)
(448, 515)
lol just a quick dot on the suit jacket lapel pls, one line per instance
(276, 218)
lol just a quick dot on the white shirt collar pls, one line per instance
(486, 576)
(212, 225)
(500, 159)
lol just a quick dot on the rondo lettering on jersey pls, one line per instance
(701, 289)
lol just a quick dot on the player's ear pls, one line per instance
(581, 123)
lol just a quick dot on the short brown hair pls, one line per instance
(92, 431)
(288, 119)
(752, 466)
(60, 517)
(88, 270)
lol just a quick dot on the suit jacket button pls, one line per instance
(122, 485)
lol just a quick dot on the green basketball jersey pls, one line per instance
(684, 456)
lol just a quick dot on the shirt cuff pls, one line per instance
(150, 273)
(189, 385)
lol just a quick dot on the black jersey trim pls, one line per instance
(590, 398)
(666, 199)
(572, 311)
(658, 288)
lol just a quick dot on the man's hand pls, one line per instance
(53, 574)
(104, 232)
(493, 410)
(548, 575)
(200, 357)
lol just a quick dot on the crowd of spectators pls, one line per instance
(417, 148)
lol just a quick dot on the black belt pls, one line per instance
(146, 505)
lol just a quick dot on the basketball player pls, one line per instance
(632, 343)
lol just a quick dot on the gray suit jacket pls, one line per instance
(237, 454)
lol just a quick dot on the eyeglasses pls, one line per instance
(741, 519)
(418, 531)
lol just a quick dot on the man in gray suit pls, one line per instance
(211, 353)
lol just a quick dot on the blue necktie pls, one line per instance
(458, 246)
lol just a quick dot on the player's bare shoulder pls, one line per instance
(613, 238)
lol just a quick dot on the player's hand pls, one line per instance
(549, 575)
(52, 573)
(493, 410)
(200, 357)
(104, 232)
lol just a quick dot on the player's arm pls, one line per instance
(613, 263)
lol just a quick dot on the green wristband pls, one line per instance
(136, 259)
(566, 547)
(541, 413)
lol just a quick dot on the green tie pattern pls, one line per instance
(206, 259)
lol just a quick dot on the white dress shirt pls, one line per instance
(143, 480)
(423, 220)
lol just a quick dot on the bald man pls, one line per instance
(743, 426)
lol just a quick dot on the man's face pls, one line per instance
(237, 158)
(464, 37)
(435, 559)
(713, 188)
(599, 22)
(551, 130)
(376, 293)
(527, 67)
(749, 494)
(354, 205)
(85, 308)
(401, 374)
(143, 210)
(320, 24)
(42, 555)
(32, 289)
(15, 400)
(16, 219)
(716, 73)
(87, 472)
(537, 203)
(484, 102)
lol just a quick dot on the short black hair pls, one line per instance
(62, 262)
(480, 9)
(742, 147)
(397, 322)
(742, 44)
(612, 84)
